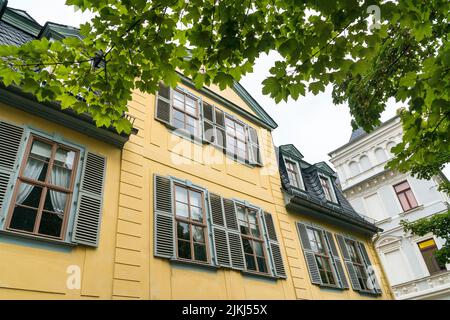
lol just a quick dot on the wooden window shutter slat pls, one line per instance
(10, 140)
(309, 255)
(348, 264)
(233, 235)
(221, 247)
(163, 104)
(270, 226)
(236, 250)
(219, 230)
(163, 218)
(230, 214)
(89, 211)
(303, 236)
(370, 270)
(275, 251)
(253, 146)
(343, 247)
(273, 246)
(353, 277)
(336, 260)
(215, 202)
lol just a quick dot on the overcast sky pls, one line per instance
(313, 123)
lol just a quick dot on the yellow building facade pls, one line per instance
(169, 212)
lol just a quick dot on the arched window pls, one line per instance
(354, 168)
(365, 163)
(380, 155)
(389, 146)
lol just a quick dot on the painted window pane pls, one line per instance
(181, 194)
(428, 249)
(262, 267)
(184, 249)
(51, 224)
(62, 168)
(198, 234)
(183, 231)
(23, 219)
(405, 196)
(200, 252)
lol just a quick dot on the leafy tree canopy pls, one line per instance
(135, 44)
(439, 225)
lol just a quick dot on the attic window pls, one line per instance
(328, 188)
(294, 173)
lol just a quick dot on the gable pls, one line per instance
(323, 166)
(291, 151)
(236, 99)
(232, 96)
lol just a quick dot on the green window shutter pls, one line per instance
(163, 104)
(230, 214)
(349, 265)
(336, 260)
(236, 250)
(219, 230)
(234, 235)
(208, 123)
(10, 140)
(309, 255)
(273, 245)
(163, 218)
(253, 146)
(270, 226)
(370, 270)
(89, 211)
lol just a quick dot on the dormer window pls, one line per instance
(293, 171)
(327, 187)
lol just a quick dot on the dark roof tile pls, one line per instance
(10, 35)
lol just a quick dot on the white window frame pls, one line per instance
(334, 200)
(302, 185)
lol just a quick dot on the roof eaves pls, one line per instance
(364, 135)
(253, 104)
(21, 22)
(340, 215)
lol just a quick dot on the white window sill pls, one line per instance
(402, 214)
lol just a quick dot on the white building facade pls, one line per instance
(389, 197)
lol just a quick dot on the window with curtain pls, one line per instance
(252, 240)
(190, 224)
(405, 196)
(44, 189)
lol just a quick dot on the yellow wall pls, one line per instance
(123, 267)
(31, 269)
(299, 270)
(155, 150)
